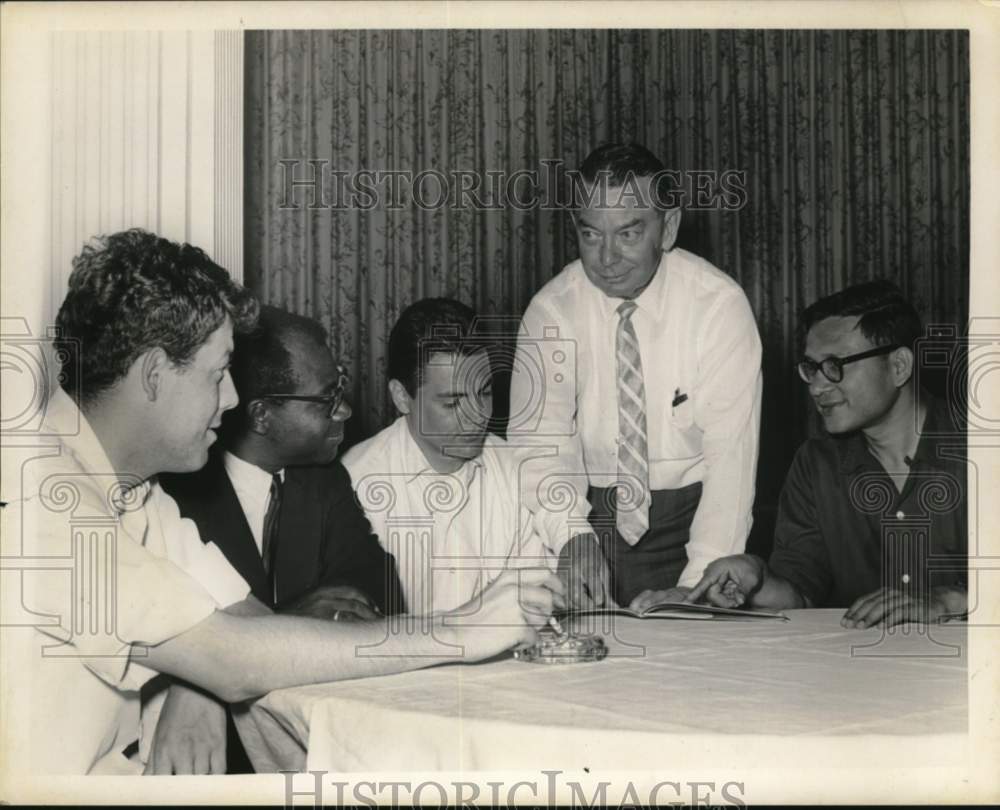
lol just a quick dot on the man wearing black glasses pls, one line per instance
(271, 496)
(872, 517)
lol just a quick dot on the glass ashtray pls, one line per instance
(553, 648)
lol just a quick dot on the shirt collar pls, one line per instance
(63, 418)
(247, 476)
(939, 429)
(650, 300)
(415, 463)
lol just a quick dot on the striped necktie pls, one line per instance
(633, 465)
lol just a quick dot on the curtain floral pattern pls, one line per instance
(854, 145)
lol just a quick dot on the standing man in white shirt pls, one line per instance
(440, 491)
(656, 427)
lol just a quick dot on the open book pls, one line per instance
(683, 610)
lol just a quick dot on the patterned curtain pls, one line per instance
(854, 145)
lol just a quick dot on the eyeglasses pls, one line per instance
(833, 367)
(333, 400)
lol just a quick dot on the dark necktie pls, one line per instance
(269, 547)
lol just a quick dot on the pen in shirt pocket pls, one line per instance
(679, 398)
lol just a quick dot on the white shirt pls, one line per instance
(698, 342)
(451, 534)
(253, 490)
(99, 577)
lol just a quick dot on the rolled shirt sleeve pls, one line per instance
(726, 401)
(117, 593)
(148, 600)
(196, 556)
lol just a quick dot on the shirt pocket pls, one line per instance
(682, 414)
(681, 438)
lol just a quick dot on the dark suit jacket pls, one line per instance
(324, 537)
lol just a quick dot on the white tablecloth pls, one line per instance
(745, 691)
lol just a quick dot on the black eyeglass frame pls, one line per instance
(334, 400)
(833, 367)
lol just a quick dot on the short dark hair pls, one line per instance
(621, 163)
(887, 317)
(133, 291)
(427, 327)
(261, 362)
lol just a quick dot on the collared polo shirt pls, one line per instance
(844, 530)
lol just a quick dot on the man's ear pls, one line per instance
(400, 397)
(671, 225)
(258, 417)
(901, 363)
(151, 367)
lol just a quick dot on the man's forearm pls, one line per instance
(777, 593)
(553, 488)
(546, 438)
(727, 404)
(722, 520)
(239, 658)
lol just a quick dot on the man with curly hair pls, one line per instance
(152, 322)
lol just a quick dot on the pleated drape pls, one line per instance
(854, 147)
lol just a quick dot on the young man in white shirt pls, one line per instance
(153, 324)
(440, 491)
(654, 419)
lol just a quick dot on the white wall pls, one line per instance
(106, 130)
(148, 132)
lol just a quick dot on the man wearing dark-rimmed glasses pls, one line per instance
(273, 498)
(271, 495)
(833, 367)
(872, 517)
